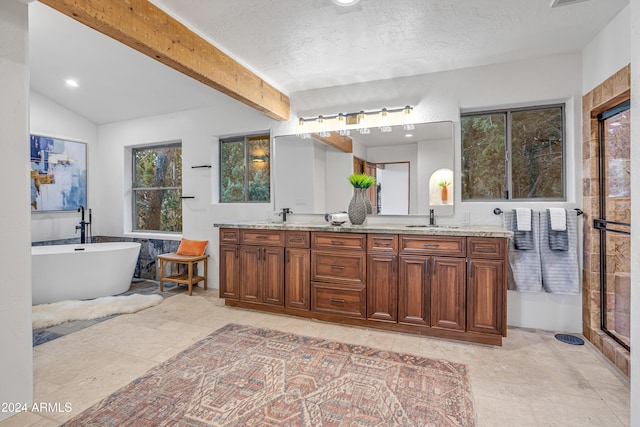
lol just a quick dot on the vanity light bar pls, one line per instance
(348, 118)
(340, 122)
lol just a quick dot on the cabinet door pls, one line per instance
(485, 296)
(229, 269)
(297, 278)
(448, 293)
(250, 273)
(413, 290)
(382, 287)
(272, 275)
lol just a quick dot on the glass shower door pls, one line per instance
(614, 222)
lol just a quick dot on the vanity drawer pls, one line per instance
(382, 243)
(485, 247)
(347, 241)
(347, 268)
(261, 237)
(436, 245)
(343, 301)
(229, 235)
(297, 239)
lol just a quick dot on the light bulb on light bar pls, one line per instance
(345, 3)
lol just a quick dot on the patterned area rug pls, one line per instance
(246, 376)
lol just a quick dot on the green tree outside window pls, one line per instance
(245, 169)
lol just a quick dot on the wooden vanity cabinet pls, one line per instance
(432, 281)
(261, 265)
(445, 286)
(338, 274)
(297, 271)
(486, 293)
(229, 264)
(382, 277)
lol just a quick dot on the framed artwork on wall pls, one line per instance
(58, 174)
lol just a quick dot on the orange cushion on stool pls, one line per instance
(192, 247)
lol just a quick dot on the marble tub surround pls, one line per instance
(432, 230)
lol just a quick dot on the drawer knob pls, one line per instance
(431, 245)
(296, 239)
(337, 267)
(337, 300)
(337, 242)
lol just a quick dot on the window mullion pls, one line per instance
(507, 157)
(246, 169)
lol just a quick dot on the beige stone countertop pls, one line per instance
(433, 230)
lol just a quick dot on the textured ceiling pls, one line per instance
(299, 45)
(305, 44)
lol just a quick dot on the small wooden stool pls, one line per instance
(185, 279)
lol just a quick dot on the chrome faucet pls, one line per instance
(432, 217)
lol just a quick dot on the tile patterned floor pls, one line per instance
(533, 380)
(147, 287)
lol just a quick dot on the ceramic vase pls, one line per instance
(444, 194)
(367, 202)
(358, 207)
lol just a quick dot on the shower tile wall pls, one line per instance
(611, 92)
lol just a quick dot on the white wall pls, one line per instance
(608, 52)
(16, 366)
(199, 131)
(635, 210)
(440, 97)
(50, 119)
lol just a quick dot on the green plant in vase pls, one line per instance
(360, 204)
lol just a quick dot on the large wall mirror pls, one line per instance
(311, 177)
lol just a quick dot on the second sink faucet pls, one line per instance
(284, 213)
(432, 217)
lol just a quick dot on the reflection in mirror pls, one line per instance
(392, 188)
(311, 177)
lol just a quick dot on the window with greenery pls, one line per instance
(157, 188)
(513, 154)
(245, 169)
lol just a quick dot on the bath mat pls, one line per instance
(241, 375)
(47, 315)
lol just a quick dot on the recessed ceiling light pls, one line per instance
(345, 2)
(409, 135)
(71, 83)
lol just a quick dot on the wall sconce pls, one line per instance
(260, 159)
(361, 121)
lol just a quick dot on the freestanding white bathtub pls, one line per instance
(63, 272)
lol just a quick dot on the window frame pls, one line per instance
(508, 150)
(245, 138)
(134, 212)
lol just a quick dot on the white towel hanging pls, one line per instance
(558, 218)
(523, 219)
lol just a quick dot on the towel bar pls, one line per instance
(498, 211)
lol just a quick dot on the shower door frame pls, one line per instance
(601, 223)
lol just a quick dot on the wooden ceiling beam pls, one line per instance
(342, 143)
(141, 25)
